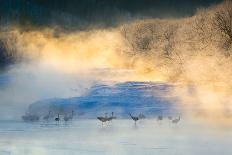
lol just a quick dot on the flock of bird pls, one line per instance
(136, 118)
(159, 118)
(67, 117)
(103, 119)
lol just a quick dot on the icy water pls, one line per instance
(120, 137)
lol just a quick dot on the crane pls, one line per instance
(57, 118)
(103, 119)
(134, 118)
(68, 117)
(175, 121)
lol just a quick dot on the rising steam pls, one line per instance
(193, 52)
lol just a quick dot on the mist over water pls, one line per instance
(186, 60)
(120, 137)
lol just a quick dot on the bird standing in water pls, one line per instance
(68, 117)
(103, 119)
(134, 118)
(57, 119)
(175, 121)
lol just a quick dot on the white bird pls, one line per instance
(176, 120)
(142, 116)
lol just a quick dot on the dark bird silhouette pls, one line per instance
(175, 121)
(103, 119)
(160, 118)
(57, 118)
(134, 118)
(68, 117)
(46, 117)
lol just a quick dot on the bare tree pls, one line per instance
(140, 37)
(126, 36)
(223, 22)
(143, 37)
(169, 37)
(203, 31)
(8, 53)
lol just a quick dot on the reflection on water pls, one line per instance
(116, 137)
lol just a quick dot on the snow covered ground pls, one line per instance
(120, 137)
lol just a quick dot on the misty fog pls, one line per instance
(164, 75)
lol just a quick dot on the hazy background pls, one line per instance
(48, 49)
(60, 48)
